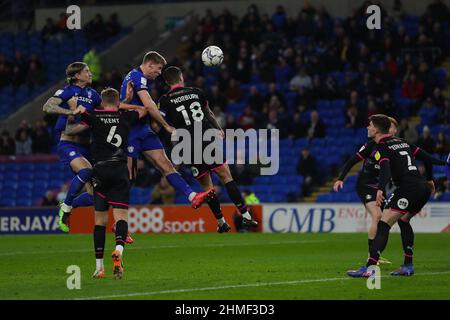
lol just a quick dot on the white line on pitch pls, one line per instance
(250, 285)
(2, 254)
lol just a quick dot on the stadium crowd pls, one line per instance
(308, 57)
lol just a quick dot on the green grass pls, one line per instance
(221, 266)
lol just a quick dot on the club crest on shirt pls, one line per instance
(402, 203)
(377, 156)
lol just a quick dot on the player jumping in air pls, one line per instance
(185, 107)
(74, 150)
(110, 128)
(142, 139)
(396, 160)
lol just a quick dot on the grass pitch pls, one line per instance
(221, 266)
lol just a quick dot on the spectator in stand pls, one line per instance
(234, 92)
(429, 113)
(301, 80)
(5, 71)
(49, 30)
(163, 193)
(92, 59)
(439, 10)
(220, 116)
(444, 113)
(412, 87)
(255, 99)
(372, 108)
(442, 145)
(23, 144)
(426, 141)
(62, 194)
(24, 126)
(7, 144)
(279, 18)
(247, 119)
(273, 91)
(95, 29)
(61, 24)
(41, 141)
(35, 75)
(143, 177)
(282, 71)
(49, 200)
(353, 118)
(388, 105)
(307, 168)
(20, 67)
(296, 127)
(216, 98)
(231, 122)
(113, 26)
(437, 98)
(315, 128)
(407, 132)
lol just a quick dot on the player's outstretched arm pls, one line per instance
(348, 165)
(74, 129)
(153, 111)
(53, 106)
(126, 106)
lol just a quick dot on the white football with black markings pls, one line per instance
(212, 56)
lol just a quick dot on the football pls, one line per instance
(212, 56)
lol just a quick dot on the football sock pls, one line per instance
(180, 185)
(121, 235)
(236, 197)
(370, 242)
(214, 205)
(221, 221)
(99, 242)
(77, 184)
(407, 235)
(83, 200)
(379, 243)
(99, 264)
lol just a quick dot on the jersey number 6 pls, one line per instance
(112, 136)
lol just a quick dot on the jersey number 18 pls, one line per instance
(196, 112)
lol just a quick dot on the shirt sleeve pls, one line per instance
(86, 119)
(64, 94)
(139, 82)
(382, 156)
(365, 151)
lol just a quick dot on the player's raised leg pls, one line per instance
(214, 203)
(83, 170)
(223, 171)
(159, 159)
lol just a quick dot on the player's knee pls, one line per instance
(85, 174)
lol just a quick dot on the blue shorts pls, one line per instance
(67, 151)
(142, 138)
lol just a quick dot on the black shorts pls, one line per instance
(111, 185)
(366, 193)
(409, 198)
(199, 170)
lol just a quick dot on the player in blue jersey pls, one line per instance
(142, 139)
(74, 150)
